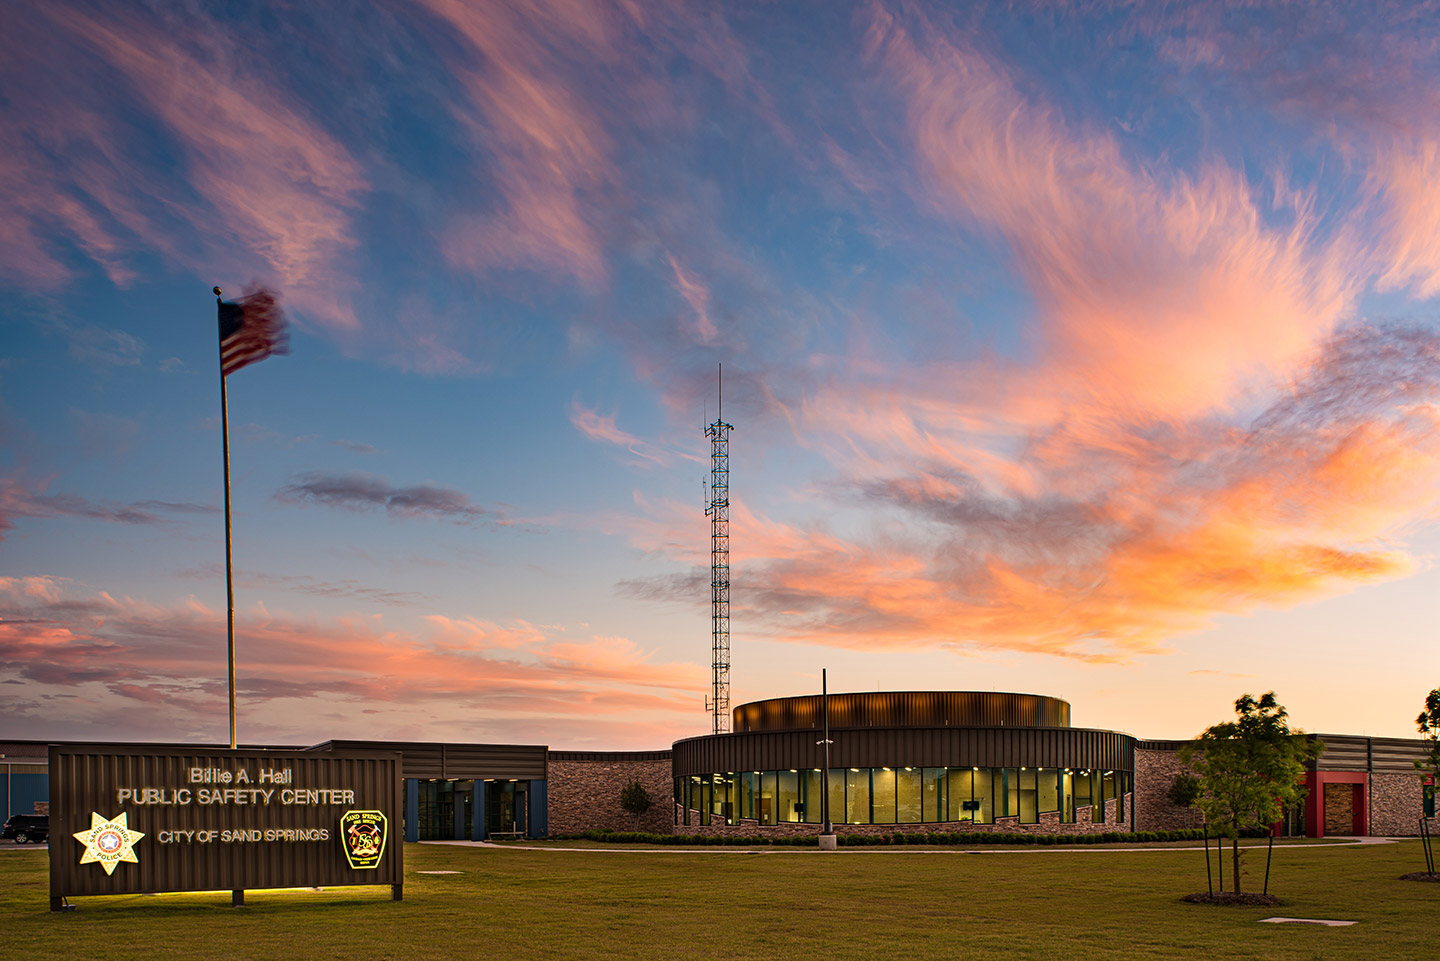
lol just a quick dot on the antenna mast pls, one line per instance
(718, 510)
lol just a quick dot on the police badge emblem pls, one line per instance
(362, 834)
(109, 841)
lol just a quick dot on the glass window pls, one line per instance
(1097, 796)
(749, 789)
(1067, 796)
(857, 795)
(984, 795)
(1121, 788)
(1007, 793)
(703, 800)
(882, 795)
(1082, 789)
(767, 797)
(959, 787)
(500, 806)
(907, 795)
(732, 798)
(1048, 782)
(679, 801)
(719, 795)
(810, 796)
(932, 780)
(1029, 812)
(787, 796)
(835, 786)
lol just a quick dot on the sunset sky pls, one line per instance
(1083, 349)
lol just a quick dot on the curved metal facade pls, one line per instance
(906, 746)
(903, 709)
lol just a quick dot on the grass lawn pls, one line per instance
(779, 904)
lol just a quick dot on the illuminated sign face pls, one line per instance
(108, 842)
(218, 820)
(363, 835)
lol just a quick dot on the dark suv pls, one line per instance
(27, 828)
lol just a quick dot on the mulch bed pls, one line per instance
(1420, 876)
(1231, 899)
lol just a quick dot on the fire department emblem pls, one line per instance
(362, 833)
(109, 841)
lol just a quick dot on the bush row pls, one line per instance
(906, 837)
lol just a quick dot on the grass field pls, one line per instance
(677, 905)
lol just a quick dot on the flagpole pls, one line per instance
(229, 577)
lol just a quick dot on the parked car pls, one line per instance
(27, 828)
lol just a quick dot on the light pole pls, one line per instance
(827, 830)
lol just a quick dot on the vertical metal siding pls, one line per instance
(890, 709)
(913, 747)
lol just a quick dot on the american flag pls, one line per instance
(252, 328)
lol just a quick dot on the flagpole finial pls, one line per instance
(217, 291)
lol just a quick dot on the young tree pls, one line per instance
(1250, 769)
(1428, 724)
(635, 799)
(1183, 790)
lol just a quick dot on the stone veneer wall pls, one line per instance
(1155, 771)
(1395, 804)
(1339, 808)
(585, 795)
(1049, 824)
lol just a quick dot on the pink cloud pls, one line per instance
(58, 639)
(602, 428)
(1165, 291)
(253, 167)
(551, 148)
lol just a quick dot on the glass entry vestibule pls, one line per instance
(473, 810)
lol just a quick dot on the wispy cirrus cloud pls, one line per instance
(601, 427)
(550, 144)
(252, 166)
(366, 492)
(1166, 290)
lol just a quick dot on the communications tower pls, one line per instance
(718, 510)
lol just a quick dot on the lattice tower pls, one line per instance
(718, 510)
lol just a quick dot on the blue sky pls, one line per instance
(1084, 349)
